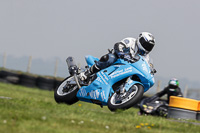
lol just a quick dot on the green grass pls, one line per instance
(31, 110)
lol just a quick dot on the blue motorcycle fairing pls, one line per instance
(145, 69)
(101, 88)
(127, 69)
(148, 78)
(91, 60)
(124, 71)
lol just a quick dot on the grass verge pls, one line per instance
(32, 110)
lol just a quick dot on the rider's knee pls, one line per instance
(104, 58)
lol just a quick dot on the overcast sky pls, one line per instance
(61, 28)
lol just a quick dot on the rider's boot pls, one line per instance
(84, 75)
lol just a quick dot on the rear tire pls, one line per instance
(63, 95)
(130, 100)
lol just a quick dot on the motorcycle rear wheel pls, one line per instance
(130, 98)
(66, 94)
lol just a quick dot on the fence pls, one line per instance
(19, 78)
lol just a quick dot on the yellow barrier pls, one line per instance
(184, 103)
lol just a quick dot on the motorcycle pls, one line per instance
(118, 86)
(153, 106)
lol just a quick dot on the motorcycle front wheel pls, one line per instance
(127, 99)
(65, 92)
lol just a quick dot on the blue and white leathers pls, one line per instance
(101, 88)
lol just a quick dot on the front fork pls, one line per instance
(122, 88)
(128, 84)
(77, 82)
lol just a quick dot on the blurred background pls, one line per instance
(49, 31)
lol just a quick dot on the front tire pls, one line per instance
(66, 93)
(126, 100)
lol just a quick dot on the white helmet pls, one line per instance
(145, 43)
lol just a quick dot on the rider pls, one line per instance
(127, 48)
(171, 90)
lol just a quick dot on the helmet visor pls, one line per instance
(146, 45)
